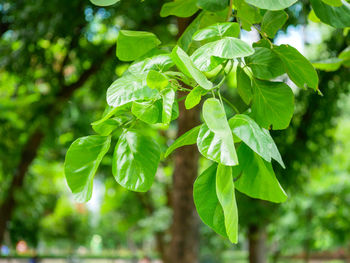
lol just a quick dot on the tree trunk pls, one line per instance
(184, 231)
(184, 242)
(28, 154)
(257, 247)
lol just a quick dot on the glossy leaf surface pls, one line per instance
(188, 138)
(258, 139)
(135, 161)
(185, 64)
(271, 4)
(265, 64)
(207, 204)
(273, 104)
(82, 160)
(128, 44)
(256, 177)
(180, 8)
(225, 191)
(217, 31)
(298, 68)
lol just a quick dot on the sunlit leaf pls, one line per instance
(82, 160)
(135, 161)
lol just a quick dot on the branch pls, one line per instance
(67, 90)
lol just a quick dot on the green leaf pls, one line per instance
(215, 140)
(156, 80)
(180, 8)
(207, 204)
(194, 97)
(258, 139)
(345, 54)
(271, 4)
(336, 16)
(104, 2)
(312, 17)
(333, 2)
(256, 177)
(128, 44)
(204, 19)
(272, 21)
(244, 86)
(273, 104)
(225, 191)
(205, 57)
(145, 111)
(168, 96)
(135, 161)
(161, 63)
(212, 5)
(218, 31)
(108, 126)
(298, 68)
(247, 14)
(187, 138)
(265, 64)
(331, 64)
(112, 111)
(185, 64)
(127, 89)
(82, 160)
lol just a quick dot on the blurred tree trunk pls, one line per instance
(28, 154)
(257, 243)
(185, 226)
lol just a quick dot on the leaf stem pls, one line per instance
(231, 105)
(229, 12)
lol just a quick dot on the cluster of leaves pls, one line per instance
(241, 147)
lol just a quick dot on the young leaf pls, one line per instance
(156, 80)
(206, 201)
(258, 139)
(204, 19)
(104, 2)
(298, 68)
(145, 111)
(82, 160)
(179, 8)
(187, 138)
(194, 97)
(271, 4)
(336, 16)
(185, 64)
(244, 86)
(225, 191)
(135, 161)
(265, 64)
(168, 96)
(218, 31)
(205, 57)
(212, 5)
(273, 104)
(215, 140)
(127, 89)
(128, 44)
(272, 21)
(256, 178)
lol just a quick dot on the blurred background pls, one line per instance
(57, 59)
